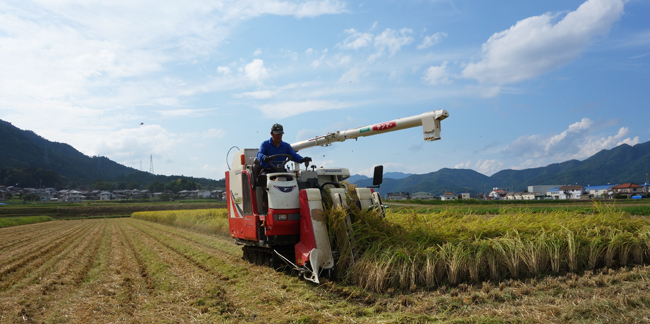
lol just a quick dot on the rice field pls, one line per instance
(130, 270)
(407, 250)
(15, 221)
(213, 221)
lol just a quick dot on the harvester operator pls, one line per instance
(275, 145)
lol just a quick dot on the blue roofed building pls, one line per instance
(600, 191)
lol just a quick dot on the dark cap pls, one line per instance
(277, 129)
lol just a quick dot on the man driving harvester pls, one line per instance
(275, 146)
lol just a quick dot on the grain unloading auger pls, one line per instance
(279, 217)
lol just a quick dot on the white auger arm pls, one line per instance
(430, 122)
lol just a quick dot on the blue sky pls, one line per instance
(526, 83)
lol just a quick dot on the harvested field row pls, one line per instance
(128, 270)
(15, 237)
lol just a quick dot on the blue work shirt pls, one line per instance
(267, 149)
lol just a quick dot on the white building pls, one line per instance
(105, 195)
(532, 196)
(448, 196)
(463, 195)
(497, 194)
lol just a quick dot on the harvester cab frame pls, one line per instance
(279, 217)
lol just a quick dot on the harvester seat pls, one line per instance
(259, 180)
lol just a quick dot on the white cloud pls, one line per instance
(309, 51)
(537, 45)
(152, 139)
(351, 75)
(257, 52)
(392, 40)
(437, 74)
(429, 41)
(185, 112)
(356, 40)
(256, 71)
(287, 109)
(214, 133)
(224, 70)
(487, 167)
(579, 141)
(264, 94)
(345, 60)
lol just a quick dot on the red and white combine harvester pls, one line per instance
(278, 217)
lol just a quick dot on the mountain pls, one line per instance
(387, 175)
(356, 177)
(443, 180)
(621, 164)
(397, 175)
(31, 154)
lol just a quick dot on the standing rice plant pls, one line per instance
(405, 276)
(492, 256)
(644, 241)
(534, 253)
(595, 248)
(373, 271)
(475, 259)
(637, 249)
(556, 247)
(455, 258)
(626, 242)
(509, 249)
(573, 247)
(432, 261)
(612, 248)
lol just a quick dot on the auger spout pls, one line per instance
(430, 122)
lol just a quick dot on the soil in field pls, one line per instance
(127, 270)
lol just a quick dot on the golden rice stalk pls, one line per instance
(595, 248)
(509, 251)
(573, 247)
(534, 253)
(556, 247)
(455, 256)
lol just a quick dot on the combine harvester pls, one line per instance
(279, 217)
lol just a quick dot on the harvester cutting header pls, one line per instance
(278, 216)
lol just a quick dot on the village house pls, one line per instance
(72, 196)
(463, 195)
(497, 194)
(567, 192)
(600, 191)
(105, 195)
(532, 196)
(448, 196)
(629, 189)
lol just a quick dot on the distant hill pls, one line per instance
(621, 164)
(387, 175)
(24, 149)
(397, 175)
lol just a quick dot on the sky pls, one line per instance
(180, 83)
